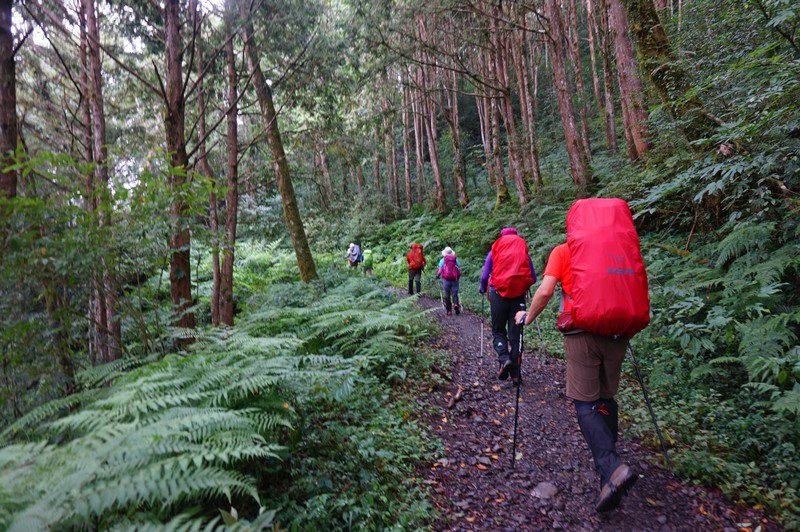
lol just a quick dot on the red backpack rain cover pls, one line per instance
(416, 258)
(609, 282)
(511, 270)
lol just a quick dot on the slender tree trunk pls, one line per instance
(501, 189)
(452, 114)
(205, 169)
(360, 177)
(591, 25)
(578, 161)
(54, 306)
(426, 84)
(406, 119)
(608, 82)
(573, 45)
(345, 184)
(395, 173)
(376, 171)
(291, 211)
(180, 278)
(630, 86)
(665, 72)
(319, 181)
(440, 203)
(327, 184)
(232, 171)
(419, 145)
(100, 152)
(8, 103)
(507, 111)
(521, 66)
(482, 104)
(98, 341)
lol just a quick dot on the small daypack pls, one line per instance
(450, 269)
(609, 281)
(511, 270)
(416, 257)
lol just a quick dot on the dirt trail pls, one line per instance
(475, 488)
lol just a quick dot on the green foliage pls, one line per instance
(218, 427)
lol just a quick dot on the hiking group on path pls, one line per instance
(604, 302)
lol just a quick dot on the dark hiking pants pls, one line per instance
(599, 422)
(505, 332)
(450, 294)
(414, 275)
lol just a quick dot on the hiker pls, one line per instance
(507, 273)
(416, 263)
(450, 273)
(601, 257)
(354, 255)
(366, 264)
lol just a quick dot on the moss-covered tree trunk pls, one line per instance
(291, 211)
(630, 86)
(670, 80)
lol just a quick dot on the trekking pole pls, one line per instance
(482, 338)
(516, 405)
(441, 294)
(650, 408)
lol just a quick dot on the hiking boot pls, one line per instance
(516, 380)
(449, 312)
(458, 310)
(622, 479)
(505, 368)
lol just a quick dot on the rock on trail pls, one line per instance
(553, 485)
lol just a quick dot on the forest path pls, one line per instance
(474, 486)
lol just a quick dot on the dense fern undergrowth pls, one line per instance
(299, 416)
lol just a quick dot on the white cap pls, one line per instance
(448, 251)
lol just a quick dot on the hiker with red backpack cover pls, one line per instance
(450, 273)
(604, 302)
(416, 263)
(507, 274)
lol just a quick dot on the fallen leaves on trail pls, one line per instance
(482, 467)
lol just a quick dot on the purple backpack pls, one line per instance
(450, 270)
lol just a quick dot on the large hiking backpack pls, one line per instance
(609, 282)
(416, 258)
(450, 269)
(511, 269)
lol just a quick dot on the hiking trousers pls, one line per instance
(414, 276)
(505, 331)
(593, 368)
(450, 294)
(599, 423)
